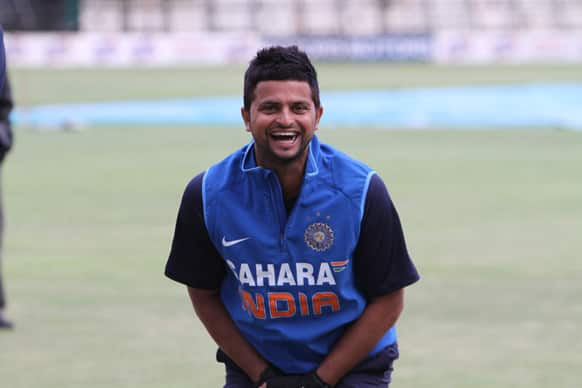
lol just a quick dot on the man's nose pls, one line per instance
(285, 117)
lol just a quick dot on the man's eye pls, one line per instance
(300, 108)
(268, 108)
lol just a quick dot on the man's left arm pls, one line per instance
(355, 344)
(379, 316)
(382, 268)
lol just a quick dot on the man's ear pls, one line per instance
(246, 116)
(318, 114)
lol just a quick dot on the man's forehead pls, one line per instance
(283, 90)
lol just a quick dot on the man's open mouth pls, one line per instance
(284, 136)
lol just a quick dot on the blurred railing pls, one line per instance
(325, 17)
(291, 17)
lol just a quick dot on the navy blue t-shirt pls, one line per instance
(381, 260)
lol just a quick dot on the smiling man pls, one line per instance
(292, 252)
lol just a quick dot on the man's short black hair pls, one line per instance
(279, 63)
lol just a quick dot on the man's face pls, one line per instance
(282, 119)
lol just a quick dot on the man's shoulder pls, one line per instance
(345, 174)
(226, 172)
(343, 167)
(338, 156)
(232, 160)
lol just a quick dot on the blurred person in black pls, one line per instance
(6, 105)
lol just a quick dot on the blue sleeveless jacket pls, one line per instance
(290, 286)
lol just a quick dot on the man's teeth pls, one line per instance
(284, 136)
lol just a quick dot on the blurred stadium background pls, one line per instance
(120, 102)
(162, 32)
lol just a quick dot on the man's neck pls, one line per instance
(290, 178)
(290, 175)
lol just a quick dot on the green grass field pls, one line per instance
(493, 219)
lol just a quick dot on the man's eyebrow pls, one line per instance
(269, 102)
(277, 102)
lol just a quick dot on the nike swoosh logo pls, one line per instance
(227, 244)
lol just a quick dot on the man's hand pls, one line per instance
(311, 380)
(267, 374)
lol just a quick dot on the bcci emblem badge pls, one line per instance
(319, 236)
